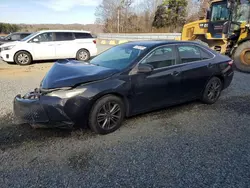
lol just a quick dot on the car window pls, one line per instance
(205, 54)
(161, 57)
(82, 35)
(44, 37)
(61, 36)
(189, 53)
(24, 35)
(15, 37)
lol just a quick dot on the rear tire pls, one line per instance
(241, 61)
(23, 58)
(83, 55)
(107, 114)
(212, 91)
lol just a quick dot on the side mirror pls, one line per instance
(35, 40)
(145, 68)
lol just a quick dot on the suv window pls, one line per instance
(82, 35)
(161, 57)
(24, 35)
(15, 37)
(44, 37)
(189, 53)
(63, 36)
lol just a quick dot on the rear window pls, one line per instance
(205, 54)
(83, 35)
(61, 36)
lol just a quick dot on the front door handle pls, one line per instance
(175, 73)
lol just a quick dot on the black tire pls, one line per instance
(83, 55)
(23, 58)
(212, 91)
(237, 57)
(201, 42)
(107, 123)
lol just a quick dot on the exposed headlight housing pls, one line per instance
(7, 47)
(66, 93)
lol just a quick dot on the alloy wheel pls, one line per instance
(214, 90)
(109, 115)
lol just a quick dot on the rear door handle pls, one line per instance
(176, 73)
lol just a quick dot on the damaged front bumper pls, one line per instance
(41, 111)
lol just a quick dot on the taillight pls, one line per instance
(94, 41)
(231, 63)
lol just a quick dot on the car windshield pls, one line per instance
(29, 36)
(241, 11)
(220, 12)
(119, 57)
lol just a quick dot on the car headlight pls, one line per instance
(66, 93)
(7, 47)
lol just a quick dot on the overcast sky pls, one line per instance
(48, 11)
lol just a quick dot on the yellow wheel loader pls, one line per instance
(226, 30)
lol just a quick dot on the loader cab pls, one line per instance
(239, 14)
(218, 15)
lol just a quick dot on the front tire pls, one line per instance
(241, 57)
(22, 58)
(212, 91)
(83, 55)
(107, 114)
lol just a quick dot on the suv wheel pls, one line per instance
(82, 55)
(22, 58)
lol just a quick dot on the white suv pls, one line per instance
(50, 44)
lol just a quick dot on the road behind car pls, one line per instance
(191, 145)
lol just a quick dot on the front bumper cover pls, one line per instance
(41, 111)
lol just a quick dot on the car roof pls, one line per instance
(70, 31)
(152, 43)
(21, 33)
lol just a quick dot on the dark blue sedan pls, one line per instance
(125, 80)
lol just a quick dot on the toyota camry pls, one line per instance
(124, 81)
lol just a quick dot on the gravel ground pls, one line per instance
(190, 145)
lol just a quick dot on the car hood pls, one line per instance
(7, 43)
(71, 73)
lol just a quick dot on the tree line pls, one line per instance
(7, 28)
(145, 16)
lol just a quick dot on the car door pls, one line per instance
(160, 87)
(43, 46)
(197, 68)
(65, 45)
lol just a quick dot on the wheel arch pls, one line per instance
(117, 94)
(23, 51)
